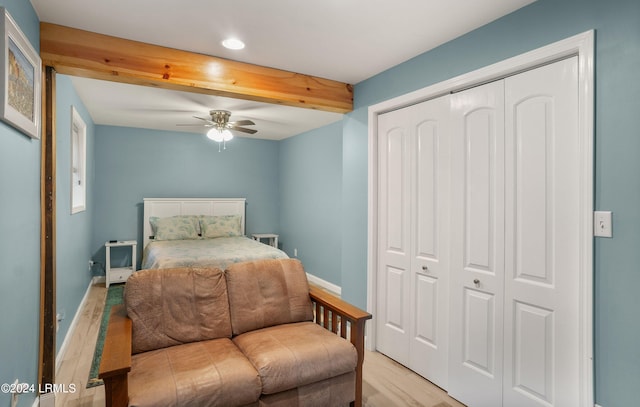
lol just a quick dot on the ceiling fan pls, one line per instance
(221, 126)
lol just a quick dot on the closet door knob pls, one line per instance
(425, 268)
(476, 282)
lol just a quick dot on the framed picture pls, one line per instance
(20, 79)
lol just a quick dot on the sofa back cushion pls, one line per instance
(268, 292)
(173, 306)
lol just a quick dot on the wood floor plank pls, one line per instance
(76, 363)
(387, 383)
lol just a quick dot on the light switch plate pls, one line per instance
(602, 224)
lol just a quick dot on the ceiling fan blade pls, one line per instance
(206, 120)
(219, 119)
(242, 129)
(242, 123)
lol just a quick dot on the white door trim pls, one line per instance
(581, 45)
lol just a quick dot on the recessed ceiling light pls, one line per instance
(233, 43)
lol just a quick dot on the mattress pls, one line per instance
(217, 252)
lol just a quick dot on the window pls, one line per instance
(78, 162)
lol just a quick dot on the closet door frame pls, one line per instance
(582, 46)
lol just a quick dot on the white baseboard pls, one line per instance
(332, 288)
(72, 327)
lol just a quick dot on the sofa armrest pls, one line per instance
(116, 358)
(345, 320)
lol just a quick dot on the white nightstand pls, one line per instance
(272, 238)
(120, 274)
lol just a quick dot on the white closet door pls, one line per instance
(429, 299)
(515, 241)
(542, 226)
(477, 246)
(394, 235)
(413, 237)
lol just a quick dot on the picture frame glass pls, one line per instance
(20, 82)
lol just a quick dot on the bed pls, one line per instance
(179, 232)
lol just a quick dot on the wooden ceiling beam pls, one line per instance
(83, 53)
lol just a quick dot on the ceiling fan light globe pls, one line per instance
(215, 135)
(226, 135)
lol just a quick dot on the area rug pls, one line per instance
(114, 297)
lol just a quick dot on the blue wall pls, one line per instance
(20, 238)
(73, 232)
(132, 164)
(310, 200)
(354, 207)
(617, 180)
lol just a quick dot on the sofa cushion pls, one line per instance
(292, 355)
(268, 292)
(172, 306)
(337, 391)
(199, 374)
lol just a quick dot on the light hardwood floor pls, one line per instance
(386, 383)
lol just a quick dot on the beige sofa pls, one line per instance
(252, 335)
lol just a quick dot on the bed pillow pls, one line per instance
(174, 228)
(221, 226)
(193, 218)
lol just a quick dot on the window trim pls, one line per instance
(78, 152)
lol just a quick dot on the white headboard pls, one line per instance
(164, 207)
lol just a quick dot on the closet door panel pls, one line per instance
(413, 187)
(479, 202)
(394, 239)
(542, 366)
(430, 122)
(479, 343)
(427, 310)
(533, 349)
(533, 143)
(427, 190)
(477, 245)
(395, 312)
(396, 212)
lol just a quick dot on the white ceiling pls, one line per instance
(119, 104)
(344, 40)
